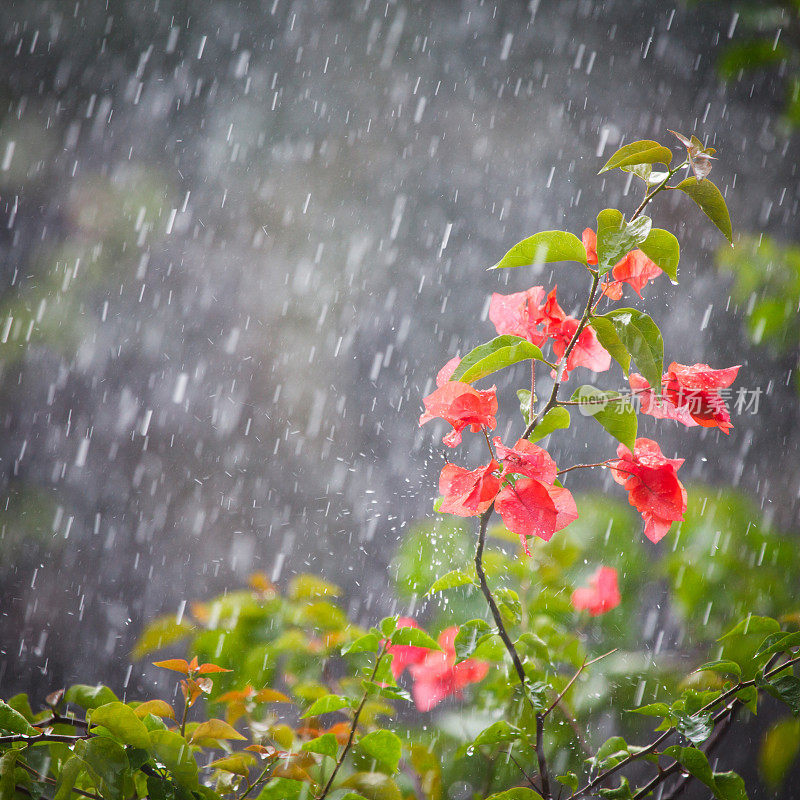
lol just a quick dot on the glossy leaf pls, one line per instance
(555, 419)
(544, 248)
(645, 151)
(456, 577)
(369, 643)
(237, 764)
(89, 697)
(173, 751)
(662, 248)
(780, 642)
(213, 730)
(497, 354)
(415, 638)
(500, 732)
(616, 415)
(13, 722)
(468, 635)
(751, 625)
(107, 762)
(722, 667)
(384, 746)
(67, 777)
(608, 337)
(158, 708)
(123, 723)
(642, 339)
(616, 238)
(327, 704)
(711, 202)
(325, 745)
(785, 688)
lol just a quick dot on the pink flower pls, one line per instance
(532, 508)
(696, 388)
(468, 493)
(652, 484)
(519, 314)
(526, 458)
(438, 676)
(658, 407)
(601, 595)
(462, 406)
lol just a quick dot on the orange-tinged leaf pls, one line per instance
(236, 695)
(261, 583)
(214, 729)
(205, 669)
(341, 731)
(205, 685)
(238, 764)
(200, 612)
(175, 664)
(193, 664)
(271, 696)
(158, 708)
(264, 751)
(293, 772)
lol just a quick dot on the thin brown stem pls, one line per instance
(573, 679)
(533, 389)
(42, 737)
(582, 466)
(354, 725)
(553, 399)
(540, 757)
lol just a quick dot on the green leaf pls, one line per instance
(121, 721)
(695, 761)
(325, 745)
(309, 587)
(468, 635)
(373, 785)
(67, 777)
(777, 643)
(89, 697)
(786, 688)
(569, 780)
(456, 577)
(555, 419)
(13, 722)
(696, 728)
(711, 202)
(778, 750)
(500, 732)
(621, 792)
(616, 415)
(544, 248)
(384, 746)
(729, 786)
(107, 760)
(642, 339)
(653, 710)
(327, 704)
(616, 238)
(662, 248)
(414, 637)
(174, 752)
(388, 625)
(524, 396)
(369, 643)
(382, 690)
(497, 354)
(750, 625)
(645, 151)
(608, 337)
(521, 793)
(509, 604)
(8, 765)
(722, 667)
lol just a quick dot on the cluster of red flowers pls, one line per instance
(435, 673)
(520, 481)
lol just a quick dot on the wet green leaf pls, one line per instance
(645, 151)
(497, 354)
(544, 248)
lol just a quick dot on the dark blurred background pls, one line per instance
(238, 239)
